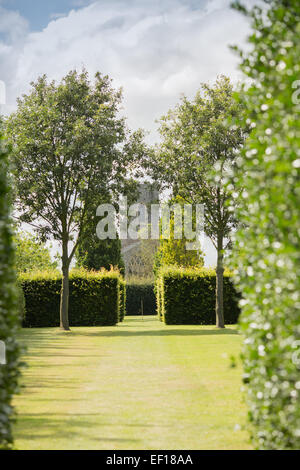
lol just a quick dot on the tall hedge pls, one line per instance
(188, 297)
(267, 249)
(138, 294)
(122, 312)
(95, 298)
(9, 320)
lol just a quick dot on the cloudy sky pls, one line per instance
(155, 49)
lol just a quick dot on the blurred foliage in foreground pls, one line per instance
(267, 253)
(9, 372)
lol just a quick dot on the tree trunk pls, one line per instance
(219, 284)
(64, 294)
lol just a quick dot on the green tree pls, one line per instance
(9, 320)
(93, 253)
(173, 252)
(267, 248)
(69, 146)
(198, 140)
(32, 254)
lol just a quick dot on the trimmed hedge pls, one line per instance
(188, 297)
(135, 294)
(94, 300)
(9, 318)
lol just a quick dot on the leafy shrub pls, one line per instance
(93, 253)
(9, 320)
(31, 253)
(136, 294)
(188, 297)
(94, 298)
(172, 251)
(267, 249)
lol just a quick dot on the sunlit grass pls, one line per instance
(138, 385)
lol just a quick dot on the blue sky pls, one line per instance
(38, 13)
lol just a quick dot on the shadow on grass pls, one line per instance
(164, 332)
(53, 382)
(70, 427)
(142, 327)
(120, 332)
(40, 417)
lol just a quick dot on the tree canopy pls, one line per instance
(32, 254)
(199, 147)
(172, 251)
(93, 253)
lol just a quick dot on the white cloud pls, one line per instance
(12, 25)
(13, 30)
(156, 51)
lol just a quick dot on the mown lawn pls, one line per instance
(139, 385)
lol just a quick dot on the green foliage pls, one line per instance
(93, 253)
(64, 138)
(70, 147)
(139, 292)
(31, 254)
(187, 297)
(9, 321)
(196, 138)
(94, 298)
(173, 252)
(267, 249)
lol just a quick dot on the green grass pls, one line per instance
(138, 385)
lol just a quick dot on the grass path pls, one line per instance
(139, 385)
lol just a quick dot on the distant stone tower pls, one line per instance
(138, 254)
